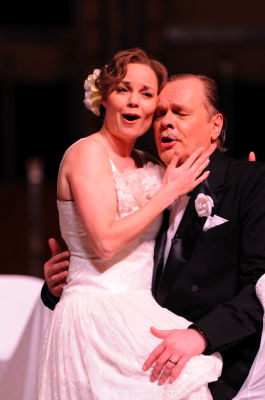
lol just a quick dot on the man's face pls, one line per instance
(183, 122)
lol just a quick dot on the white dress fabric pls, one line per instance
(99, 334)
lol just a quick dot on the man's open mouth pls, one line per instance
(166, 139)
(130, 117)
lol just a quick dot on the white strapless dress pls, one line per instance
(99, 335)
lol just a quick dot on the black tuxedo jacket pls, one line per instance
(210, 276)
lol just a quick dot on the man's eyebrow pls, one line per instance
(179, 107)
(174, 107)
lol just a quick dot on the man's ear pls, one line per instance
(217, 124)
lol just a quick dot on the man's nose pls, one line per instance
(166, 123)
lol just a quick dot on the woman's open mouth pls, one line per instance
(130, 117)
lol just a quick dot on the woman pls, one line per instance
(110, 200)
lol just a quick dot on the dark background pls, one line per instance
(46, 51)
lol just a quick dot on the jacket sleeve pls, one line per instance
(242, 316)
(47, 298)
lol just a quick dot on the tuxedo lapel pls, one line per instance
(159, 252)
(189, 229)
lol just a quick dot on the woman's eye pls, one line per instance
(147, 94)
(121, 89)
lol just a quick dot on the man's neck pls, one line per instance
(212, 148)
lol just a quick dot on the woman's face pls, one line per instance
(130, 106)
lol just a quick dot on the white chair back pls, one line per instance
(23, 320)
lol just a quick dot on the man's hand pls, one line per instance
(56, 269)
(178, 346)
(252, 156)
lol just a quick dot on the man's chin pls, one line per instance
(166, 156)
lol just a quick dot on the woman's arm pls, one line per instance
(86, 170)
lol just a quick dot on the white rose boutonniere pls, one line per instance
(204, 205)
(92, 98)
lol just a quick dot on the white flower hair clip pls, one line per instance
(92, 98)
(204, 205)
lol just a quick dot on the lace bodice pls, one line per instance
(134, 188)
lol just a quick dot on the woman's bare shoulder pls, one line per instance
(87, 147)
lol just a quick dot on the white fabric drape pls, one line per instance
(23, 320)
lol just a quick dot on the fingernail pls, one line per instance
(152, 379)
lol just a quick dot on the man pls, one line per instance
(211, 253)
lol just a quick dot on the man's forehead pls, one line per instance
(181, 89)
